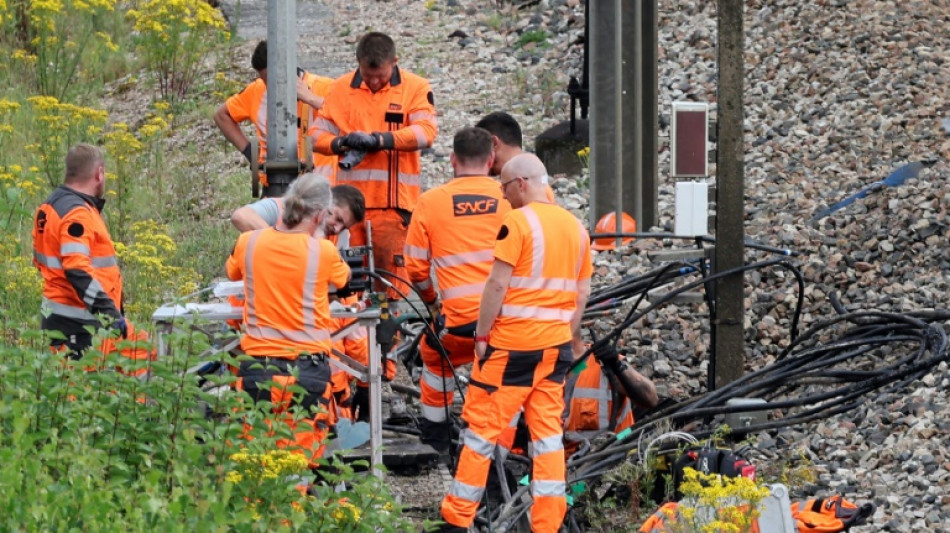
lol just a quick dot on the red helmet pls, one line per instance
(608, 224)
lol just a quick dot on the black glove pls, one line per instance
(345, 291)
(608, 357)
(247, 152)
(121, 327)
(366, 142)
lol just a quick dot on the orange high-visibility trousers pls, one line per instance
(501, 384)
(437, 383)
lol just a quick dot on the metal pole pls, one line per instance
(730, 177)
(282, 164)
(605, 60)
(649, 157)
(631, 112)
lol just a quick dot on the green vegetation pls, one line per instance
(84, 445)
(540, 37)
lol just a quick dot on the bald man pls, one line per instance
(528, 326)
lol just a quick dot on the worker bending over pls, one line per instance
(453, 230)
(598, 396)
(287, 272)
(72, 248)
(528, 330)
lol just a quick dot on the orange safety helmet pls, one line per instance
(608, 224)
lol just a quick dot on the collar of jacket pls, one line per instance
(98, 203)
(395, 80)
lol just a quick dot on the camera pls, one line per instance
(351, 158)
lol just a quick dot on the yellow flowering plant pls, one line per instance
(58, 40)
(713, 503)
(148, 277)
(57, 126)
(173, 37)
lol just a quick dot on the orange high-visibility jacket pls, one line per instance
(251, 105)
(403, 111)
(73, 251)
(550, 252)
(286, 279)
(591, 403)
(454, 228)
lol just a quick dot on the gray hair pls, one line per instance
(307, 196)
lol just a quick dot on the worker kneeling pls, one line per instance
(287, 271)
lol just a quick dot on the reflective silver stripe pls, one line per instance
(466, 491)
(48, 306)
(104, 262)
(435, 381)
(433, 413)
(477, 444)
(423, 285)
(421, 140)
(802, 505)
(421, 115)
(323, 124)
(308, 297)
(537, 241)
(357, 334)
(548, 488)
(324, 171)
(74, 248)
(47, 260)
(549, 444)
(603, 396)
(310, 334)
(554, 284)
(463, 290)
(416, 251)
(514, 420)
(92, 291)
(464, 258)
(539, 313)
(250, 300)
(262, 123)
(411, 180)
(373, 174)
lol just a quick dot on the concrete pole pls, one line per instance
(649, 117)
(631, 111)
(605, 131)
(730, 185)
(282, 164)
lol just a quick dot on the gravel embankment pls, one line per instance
(838, 94)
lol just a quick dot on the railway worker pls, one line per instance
(527, 333)
(72, 248)
(287, 272)
(389, 114)
(250, 105)
(453, 230)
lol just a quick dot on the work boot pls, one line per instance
(361, 404)
(436, 434)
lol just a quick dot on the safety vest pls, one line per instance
(251, 105)
(550, 252)
(73, 251)
(591, 403)
(453, 229)
(286, 280)
(404, 111)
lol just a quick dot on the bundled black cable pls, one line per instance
(817, 376)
